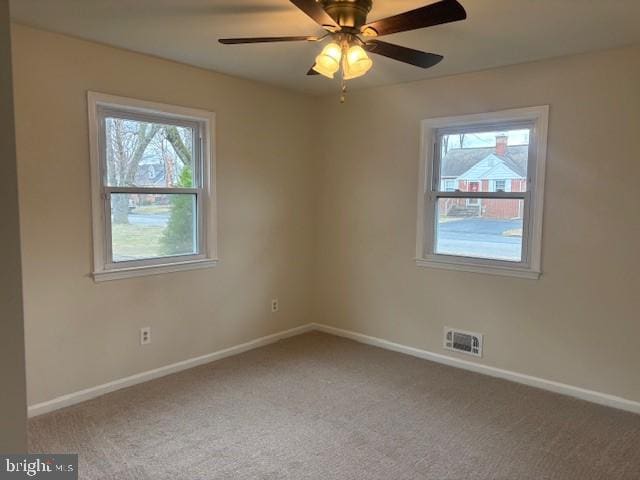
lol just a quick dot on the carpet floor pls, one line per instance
(322, 407)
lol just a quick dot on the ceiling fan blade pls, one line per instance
(444, 11)
(314, 10)
(237, 41)
(403, 54)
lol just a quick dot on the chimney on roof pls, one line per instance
(501, 144)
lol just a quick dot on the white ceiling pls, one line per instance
(497, 32)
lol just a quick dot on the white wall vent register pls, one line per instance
(464, 342)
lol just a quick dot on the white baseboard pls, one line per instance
(93, 392)
(557, 387)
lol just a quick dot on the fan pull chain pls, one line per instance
(343, 82)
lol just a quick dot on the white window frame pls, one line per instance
(104, 268)
(530, 266)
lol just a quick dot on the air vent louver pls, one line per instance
(463, 342)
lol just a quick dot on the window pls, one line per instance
(500, 186)
(152, 187)
(492, 221)
(449, 185)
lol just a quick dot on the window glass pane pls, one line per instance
(146, 154)
(481, 228)
(489, 161)
(152, 226)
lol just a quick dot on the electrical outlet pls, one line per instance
(274, 305)
(145, 335)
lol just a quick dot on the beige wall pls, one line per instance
(80, 334)
(330, 230)
(580, 323)
(12, 369)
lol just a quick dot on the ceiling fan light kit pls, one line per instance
(352, 37)
(353, 60)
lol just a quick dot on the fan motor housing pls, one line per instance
(348, 13)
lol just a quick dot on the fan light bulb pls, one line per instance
(357, 63)
(328, 62)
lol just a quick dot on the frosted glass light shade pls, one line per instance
(357, 64)
(328, 62)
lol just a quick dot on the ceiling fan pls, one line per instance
(351, 36)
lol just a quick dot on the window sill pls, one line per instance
(121, 273)
(487, 269)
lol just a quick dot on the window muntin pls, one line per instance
(152, 187)
(510, 204)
